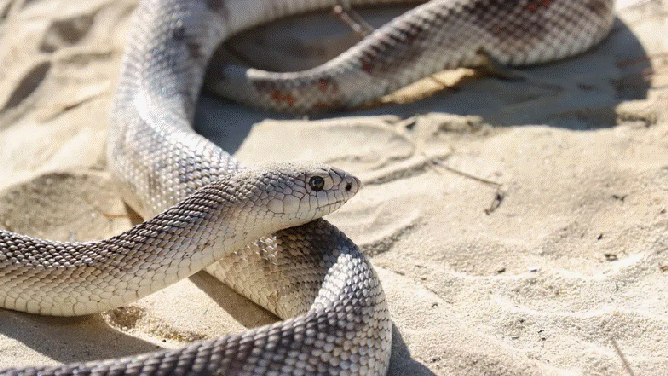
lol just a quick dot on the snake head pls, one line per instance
(298, 193)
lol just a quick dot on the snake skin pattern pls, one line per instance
(441, 34)
(336, 318)
(226, 215)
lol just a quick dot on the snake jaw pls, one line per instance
(276, 206)
(285, 204)
(291, 203)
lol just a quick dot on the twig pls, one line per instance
(625, 362)
(363, 29)
(467, 175)
(500, 191)
(351, 18)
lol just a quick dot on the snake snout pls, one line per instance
(352, 185)
(349, 184)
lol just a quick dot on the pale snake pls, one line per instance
(312, 273)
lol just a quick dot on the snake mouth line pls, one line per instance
(328, 208)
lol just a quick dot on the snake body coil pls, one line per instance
(336, 319)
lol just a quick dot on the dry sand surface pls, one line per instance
(518, 226)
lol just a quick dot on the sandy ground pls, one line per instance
(518, 226)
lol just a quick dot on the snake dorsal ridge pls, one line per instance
(336, 320)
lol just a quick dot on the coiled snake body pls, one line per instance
(337, 321)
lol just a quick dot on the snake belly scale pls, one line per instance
(311, 275)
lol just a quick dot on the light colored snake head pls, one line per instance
(298, 193)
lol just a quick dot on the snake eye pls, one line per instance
(316, 183)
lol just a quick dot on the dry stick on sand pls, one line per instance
(363, 29)
(499, 194)
(625, 362)
(351, 18)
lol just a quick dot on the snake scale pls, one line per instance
(204, 206)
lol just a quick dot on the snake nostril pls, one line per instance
(349, 186)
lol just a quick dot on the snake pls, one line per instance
(259, 229)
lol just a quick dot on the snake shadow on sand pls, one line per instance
(581, 92)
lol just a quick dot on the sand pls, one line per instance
(518, 226)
